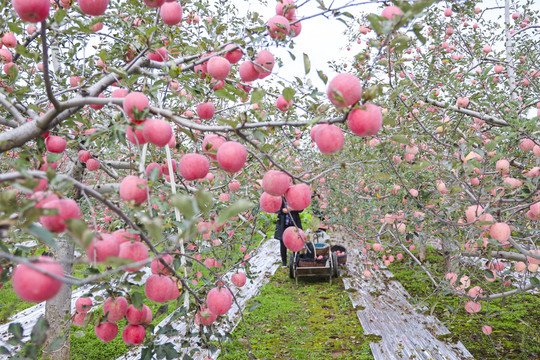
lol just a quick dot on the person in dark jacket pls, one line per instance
(285, 219)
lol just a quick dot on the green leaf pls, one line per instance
(254, 304)
(233, 210)
(163, 309)
(375, 22)
(257, 96)
(54, 157)
(420, 165)
(42, 234)
(137, 300)
(323, 77)
(184, 204)
(293, 57)
(535, 281)
(16, 330)
(59, 15)
(39, 331)
(288, 93)
(205, 201)
(417, 28)
(400, 139)
(307, 64)
(224, 94)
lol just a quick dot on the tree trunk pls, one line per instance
(422, 252)
(58, 309)
(448, 250)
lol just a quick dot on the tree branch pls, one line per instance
(46, 78)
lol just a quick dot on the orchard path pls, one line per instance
(384, 310)
(381, 304)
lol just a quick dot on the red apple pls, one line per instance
(92, 165)
(158, 288)
(154, 166)
(270, 203)
(160, 55)
(293, 238)
(276, 182)
(133, 188)
(264, 62)
(366, 121)
(218, 67)
(219, 300)
(193, 166)
(238, 279)
(106, 331)
(99, 250)
(135, 100)
(344, 90)
(84, 156)
(115, 307)
(93, 7)
(133, 334)
(235, 55)
(171, 13)
(278, 27)
(154, 3)
(211, 144)
(123, 236)
(330, 139)
(205, 317)
(83, 304)
(135, 136)
(136, 251)
(67, 209)
(390, 12)
(206, 110)
(78, 319)
(32, 10)
(158, 268)
(247, 71)
(55, 144)
(286, 8)
(157, 132)
(298, 197)
(283, 104)
(231, 156)
(135, 316)
(34, 286)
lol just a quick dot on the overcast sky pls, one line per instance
(323, 40)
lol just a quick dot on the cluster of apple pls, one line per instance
(344, 91)
(340, 253)
(284, 23)
(114, 310)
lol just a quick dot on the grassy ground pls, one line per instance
(10, 303)
(515, 320)
(312, 320)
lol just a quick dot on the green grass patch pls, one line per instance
(10, 303)
(312, 320)
(514, 320)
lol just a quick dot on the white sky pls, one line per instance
(322, 39)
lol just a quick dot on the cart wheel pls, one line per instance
(291, 266)
(335, 265)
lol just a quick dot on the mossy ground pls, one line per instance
(515, 320)
(312, 320)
